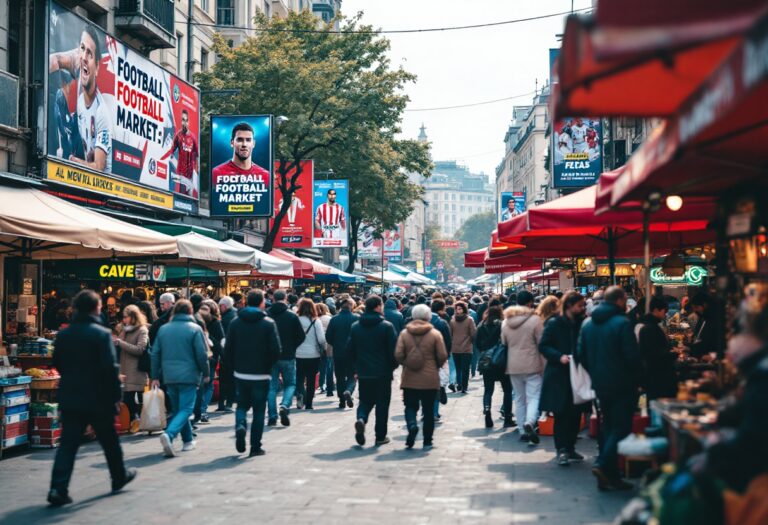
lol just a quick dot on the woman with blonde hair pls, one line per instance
(131, 343)
(548, 308)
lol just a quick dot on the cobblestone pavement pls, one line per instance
(314, 473)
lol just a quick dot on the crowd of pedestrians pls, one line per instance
(273, 345)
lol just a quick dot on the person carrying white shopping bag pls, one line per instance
(153, 417)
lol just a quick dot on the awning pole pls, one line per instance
(647, 258)
(612, 255)
(188, 281)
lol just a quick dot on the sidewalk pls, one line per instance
(314, 473)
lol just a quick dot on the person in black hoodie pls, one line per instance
(660, 378)
(558, 344)
(372, 342)
(89, 393)
(251, 349)
(608, 350)
(291, 336)
(337, 336)
(488, 336)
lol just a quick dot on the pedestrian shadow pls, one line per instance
(222, 463)
(143, 461)
(215, 430)
(403, 454)
(48, 514)
(322, 410)
(353, 452)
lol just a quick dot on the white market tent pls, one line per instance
(199, 249)
(266, 264)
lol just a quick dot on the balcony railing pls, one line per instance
(160, 12)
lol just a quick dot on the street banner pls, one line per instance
(512, 203)
(445, 243)
(577, 152)
(241, 166)
(115, 115)
(368, 246)
(428, 260)
(295, 230)
(393, 244)
(330, 205)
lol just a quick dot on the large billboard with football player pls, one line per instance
(295, 229)
(330, 203)
(118, 123)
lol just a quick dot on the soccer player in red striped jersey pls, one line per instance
(241, 163)
(330, 218)
(186, 167)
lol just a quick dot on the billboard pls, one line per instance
(368, 246)
(295, 230)
(444, 243)
(330, 205)
(241, 166)
(513, 203)
(577, 152)
(118, 124)
(393, 244)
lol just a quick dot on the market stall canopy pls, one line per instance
(718, 137)
(475, 258)
(512, 263)
(644, 59)
(389, 277)
(538, 277)
(40, 226)
(208, 252)
(334, 275)
(266, 265)
(302, 268)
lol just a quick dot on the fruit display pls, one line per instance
(42, 373)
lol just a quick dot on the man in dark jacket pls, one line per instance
(89, 392)
(708, 333)
(226, 379)
(167, 300)
(608, 350)
(337, 337)
(291, 336)
(252, 348)
(660, 378)
(392, 315)
(372, 342)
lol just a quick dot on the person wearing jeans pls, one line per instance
(251, 394)
(291, 336)
(462, 339)
(180, 357)
(285, 369)
(521, 333)
(337, 336)
(421, 351)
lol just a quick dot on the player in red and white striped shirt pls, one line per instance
(330, 218)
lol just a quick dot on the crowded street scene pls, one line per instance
(347, 261)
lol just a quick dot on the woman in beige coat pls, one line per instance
(131, 343)
(421, 351)
(521, 332)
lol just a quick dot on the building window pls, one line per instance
(225, 12)
(179, 58)
(203, 59)
(204, 5)
(453, 207)
(267, 9)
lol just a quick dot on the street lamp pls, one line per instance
(280, 120)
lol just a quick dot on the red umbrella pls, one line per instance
(475, 258)
(643, 59)
(717, 138)
(302, 268)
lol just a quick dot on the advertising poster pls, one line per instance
(577, 152)
(330, 203)
(512, 204)
(241, 166)
(368, 246)
(393, 244)
(121, 124)
(295, 229)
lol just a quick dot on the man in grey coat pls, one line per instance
(180, 357)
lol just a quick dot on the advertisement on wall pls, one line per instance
(393, 244)
(241, 166)
(368, 246)
(118, 124)
(295, 230)
(330, 202)
(512, 204)
(577, 153)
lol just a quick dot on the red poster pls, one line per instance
(296, 227)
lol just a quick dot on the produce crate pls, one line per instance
(14, 430)
(16, 441)
(53, 433)
(45, 423)
(14, 418)
(44, 409)
(15, 395)
(45, 384)
(17, 409)
(19, 380)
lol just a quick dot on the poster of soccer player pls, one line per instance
(368, 246)
(330, 203)
(115, 117)
(577, 152)
(241, 166)
(513, 203)
(295, 229)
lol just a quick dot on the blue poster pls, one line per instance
(577, 152)
(513, 203)
(330, 205)
(241, 166)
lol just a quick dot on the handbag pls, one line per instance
(320, 348)
(581, 383)
(145, 361)
(498, 357)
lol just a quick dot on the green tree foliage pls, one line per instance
(476, 232)
(344, 103)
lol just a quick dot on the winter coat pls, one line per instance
(371, 345)
(393, 316)
(227, 318)
(488, 335)
(132, 342)
(216, 335)
(421, 334)
(660, 378)
(84, 355)
(338, 331)
(521, 332)
(252, 345)
(444, 329)
(608, 350)
(462, 335)
(180, 353)
(162, 320)
(290, 329)
(314, 341)
(559, 338)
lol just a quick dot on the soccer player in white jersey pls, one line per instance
(579, 136)
(330, 218)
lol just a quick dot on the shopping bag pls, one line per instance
(153, 411)
(445, 375)
(581, 384)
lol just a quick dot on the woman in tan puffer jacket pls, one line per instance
(521, 332)
(421, 351)
(131, 343)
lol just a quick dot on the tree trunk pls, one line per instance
(288, 187)
(353, 232)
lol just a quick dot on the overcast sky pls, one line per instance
(467, 66)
